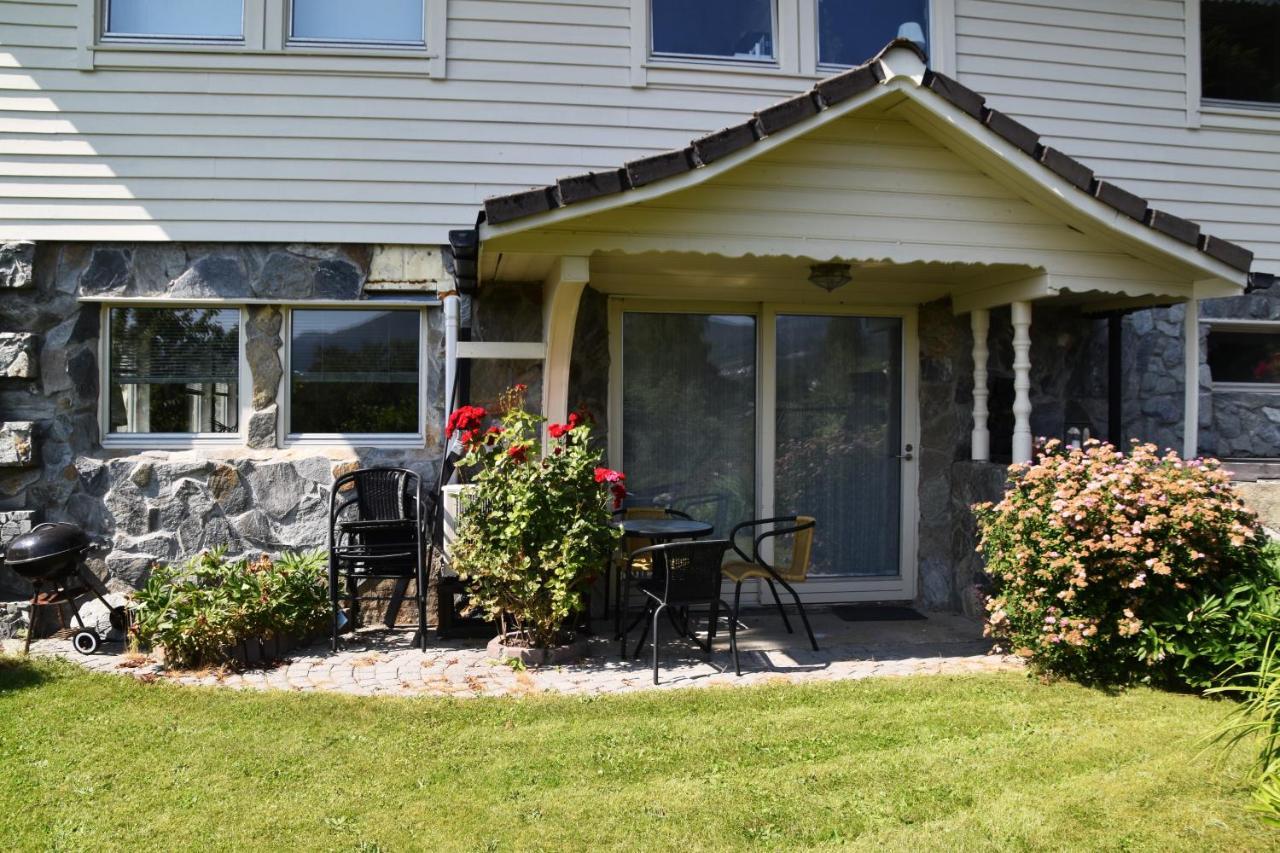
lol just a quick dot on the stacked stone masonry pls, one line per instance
(141, 507)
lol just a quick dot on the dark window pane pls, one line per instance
(1244, 357)
(852, 31)
(354, 372)
(174, 370)
(1240, 49)
(369, 20)
(734, 29)
(179, 18)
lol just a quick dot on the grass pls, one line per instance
(929, 763)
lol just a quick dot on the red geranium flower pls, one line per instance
(491, 435)
(574, 419)
(619, 492)
(518, 452)
(608, 475)
(558, 430)
(464, 418)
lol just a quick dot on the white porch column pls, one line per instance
(980, 442)
(1191, 380)
(561, 293)
(1021, 314)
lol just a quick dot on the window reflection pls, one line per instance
(852, 31)
(1244, 356)
(354, 372)
(1238, 56)
(174, 370)
(192, 19)
(382, 21)
(730, 29)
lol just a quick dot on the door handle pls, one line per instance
(906, 455)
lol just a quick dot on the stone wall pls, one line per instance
(1066, 377)
(1232, 424)
(139, 507)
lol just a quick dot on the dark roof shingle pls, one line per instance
(834, 90)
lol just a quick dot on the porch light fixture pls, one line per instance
(830, 276)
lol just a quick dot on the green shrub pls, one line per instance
(1258, 716)
(198, 611)
(536, 530)
(1114, 568)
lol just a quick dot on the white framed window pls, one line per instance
(392, 37)
(174, 20)
(1244, 355)
(400, 23)
(355, 376)
(775, 44)
(1239, 64)
(738, 30)
(849, 32)
(172, 376)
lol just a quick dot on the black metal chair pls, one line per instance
(799, 530)
(619, 572)
(377, 531)
(682, 575)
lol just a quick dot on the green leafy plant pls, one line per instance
(1258, 717)
(199, 610)
(1114, 568)
(535, 530)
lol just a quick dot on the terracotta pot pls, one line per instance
(553, 656)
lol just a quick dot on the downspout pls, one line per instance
(450, 300)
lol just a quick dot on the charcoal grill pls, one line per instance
(51, 558)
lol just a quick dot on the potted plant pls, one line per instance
(536, 529)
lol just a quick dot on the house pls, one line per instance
(847, 259)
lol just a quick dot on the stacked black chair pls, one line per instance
(377, 531)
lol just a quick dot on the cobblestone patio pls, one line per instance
(386, 664)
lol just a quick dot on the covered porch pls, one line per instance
(850, 306)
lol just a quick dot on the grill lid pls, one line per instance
(46, 542)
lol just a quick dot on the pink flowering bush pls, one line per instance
(1115, 568)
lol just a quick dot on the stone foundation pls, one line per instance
(143, 507)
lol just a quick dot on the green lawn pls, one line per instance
(106, 763)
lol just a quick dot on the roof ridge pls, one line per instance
(824, 94)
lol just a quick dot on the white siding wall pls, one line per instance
(1107, 81)
(276, 149)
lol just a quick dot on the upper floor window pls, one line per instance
(1238, 56)
(717, 29)
(851, 31)
(173, 371)
(174, 19)
(369, 21)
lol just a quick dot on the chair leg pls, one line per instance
(712, 619)
(733, 627)
(781, 610)
(422, 612)
(657, 617)
(333, 601)
(803, 618)
(353, 593)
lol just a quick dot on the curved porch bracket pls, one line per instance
(561, 293)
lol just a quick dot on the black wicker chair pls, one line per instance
(377, 531)
(681, 576)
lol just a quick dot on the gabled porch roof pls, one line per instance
(886, 166)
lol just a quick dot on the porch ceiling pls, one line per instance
(907, 176)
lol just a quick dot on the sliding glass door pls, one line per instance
(689, 406)
(773, 411)
(838, 438)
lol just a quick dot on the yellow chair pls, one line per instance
(800, 530)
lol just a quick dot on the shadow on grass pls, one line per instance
(20, 673)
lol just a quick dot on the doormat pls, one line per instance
(876, 613)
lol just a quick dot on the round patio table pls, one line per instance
(663, 529)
